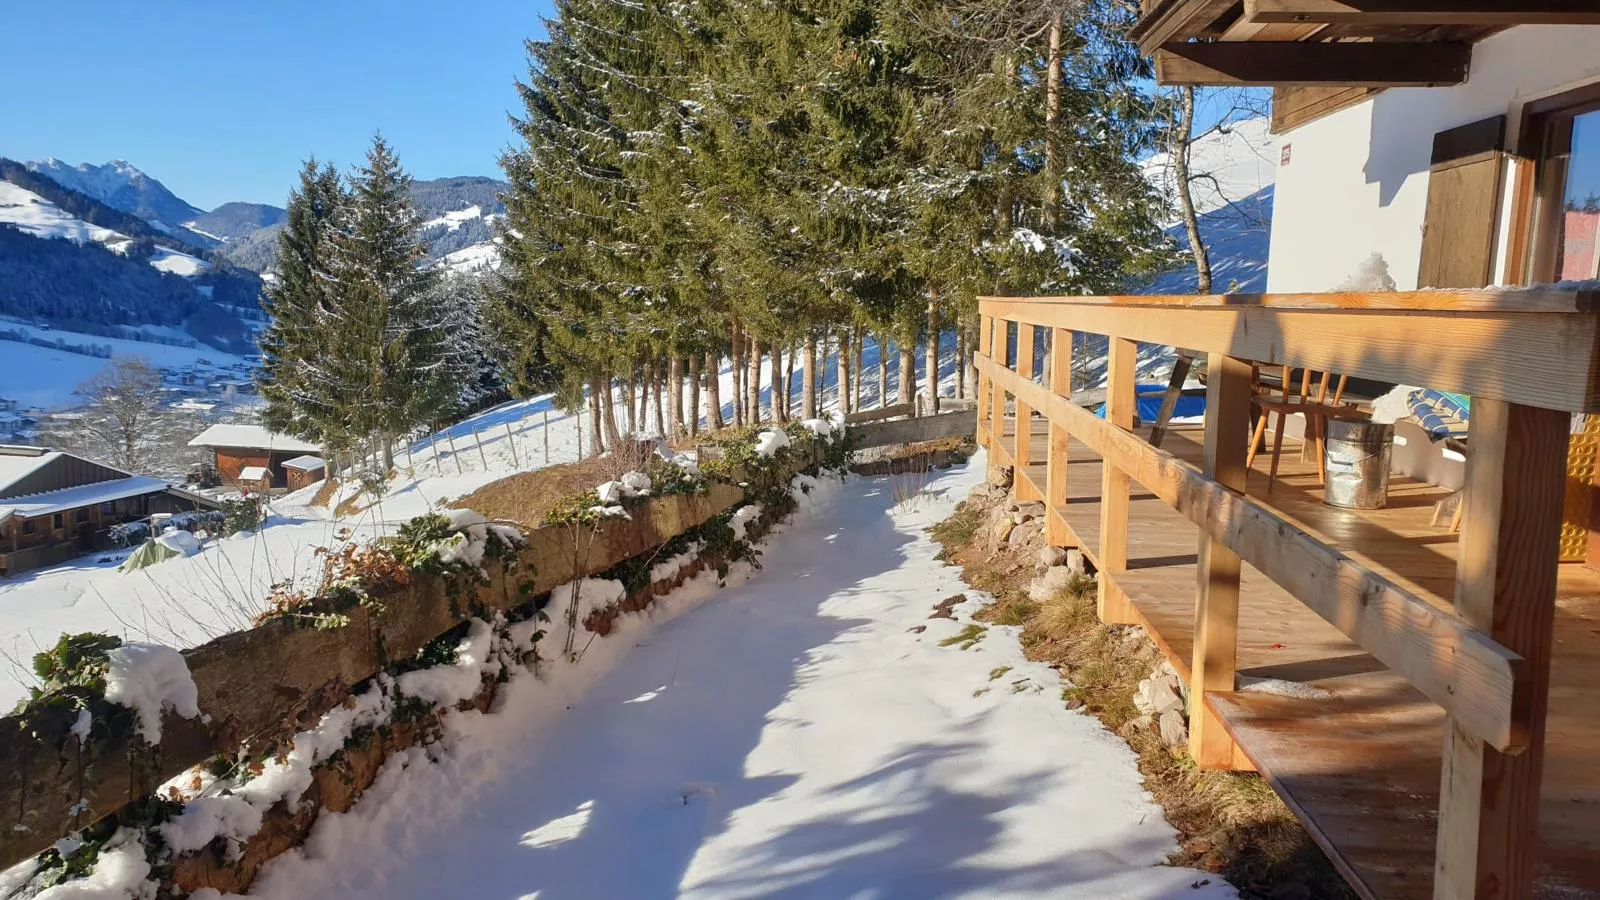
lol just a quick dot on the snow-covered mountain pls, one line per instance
(235, 220)
(33, 214)
(120, 185)
(1233, 170)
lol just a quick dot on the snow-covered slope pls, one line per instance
(1232, 173)
(471, 259)
(120, 185)
(32, 213)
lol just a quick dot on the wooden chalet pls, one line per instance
(54, 505)
(253, 451)
(1442, 737)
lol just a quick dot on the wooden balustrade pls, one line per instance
(1528, 358)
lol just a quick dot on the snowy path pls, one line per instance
(791, 737)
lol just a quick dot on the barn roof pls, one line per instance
(82, 495)
(251, 437)
(305, 463)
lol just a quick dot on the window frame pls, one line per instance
(1546, 138)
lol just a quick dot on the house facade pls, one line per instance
(251, 457)
(54, 505)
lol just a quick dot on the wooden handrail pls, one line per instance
(1535, 299)
(1469, 675)
(1536, 358)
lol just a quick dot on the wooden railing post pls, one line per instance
(1216, 616)
(1113, 607)
(985, 344)
(1055, 527)
(997, 393)
(1023, 488)
(1506, 587)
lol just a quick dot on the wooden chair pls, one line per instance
(1316, 412)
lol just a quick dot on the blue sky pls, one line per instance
(222, 100)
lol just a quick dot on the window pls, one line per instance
(107, 509)
(81, 514)
(56, 521)
(28, 526)
(1562, 135)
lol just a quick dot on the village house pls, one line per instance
(54, 505)
(251, 457)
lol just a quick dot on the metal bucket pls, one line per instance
(1356, 463)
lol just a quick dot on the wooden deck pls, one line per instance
(1361, 764)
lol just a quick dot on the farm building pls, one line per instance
(304, 471)
(238, 448)
(54, 505)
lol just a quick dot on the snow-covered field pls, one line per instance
(187, 601)
(37, 216)
(792, 736)
(46, 377)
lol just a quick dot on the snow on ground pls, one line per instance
(46, 377)
(790, 737)
(453, 220)
(174, 263)
(485, 255)
(37, 216)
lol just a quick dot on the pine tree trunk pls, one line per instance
(674, 407)
(808, 381)
(779, 415)
(737, 355)
(694, 395)
(608, 409)
(822, 373)
(388, 453)
(1052, 119)
(595, 392)
(844, 371)
(656, 399)
(788, 381)
(971, 358)
(883, 370)
(933, 351)
(679, 369)
(961, 361)
(628, 407)
(713, 376)
(908, 372)
(752, 400)
(859, 338)
(647, 384)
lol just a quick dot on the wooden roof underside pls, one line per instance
(1370, 43)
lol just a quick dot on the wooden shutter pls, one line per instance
(1463, 216)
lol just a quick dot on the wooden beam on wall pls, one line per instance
(1423, 12)
(1176, 20)
(1290, 63)
(1448, 661)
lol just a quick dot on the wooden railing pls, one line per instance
(1527, 357)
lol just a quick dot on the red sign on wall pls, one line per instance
(1284, 161)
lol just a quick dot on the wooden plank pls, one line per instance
(1461, 227)
(1424, 12)
(1489, 800)
(997, 394)
(1290, 63)
(1454, 665)
(1293, 107)
(1022, 489)
(1216, 617)
(1176, 20)
(985, 348)
(1528, 299)
(1058, 457)
(1112, 551)
(1536, 359)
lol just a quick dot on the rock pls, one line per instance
(918, 629)
(1160, 693)
(1022, 534)
(1174, 730)
(1033, 509)
(1074, 703)
(945, 608)
(1050, 584)
(1000, 477)
(1002, 531)
(1053, 556)
(1074, 561)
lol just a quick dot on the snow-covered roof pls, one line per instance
(306, 463)
(17, 462)
(82, 495)
(253, 437)
(252, 473)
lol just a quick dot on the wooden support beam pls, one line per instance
(1176, 20)
(1448, 661)
(985, 348)
(1056, 530)
(1423, 12)
(1542, 359)
(1022, 488)
(1292, 63)
(1216, 617)
(1488, 836)
(1112, 606)
(997, 395)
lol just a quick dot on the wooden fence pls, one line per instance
(1528, 358)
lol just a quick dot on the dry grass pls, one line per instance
(525, 498)
(1228, 823)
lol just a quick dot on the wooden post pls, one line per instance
(1111, 605)
(1022, 488)
(511, 442)
(546, 431)
(1055, 530)
(1216, 615)
(997, 394)
(1506, 587)
(985, 338)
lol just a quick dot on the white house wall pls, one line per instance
(1357, 181)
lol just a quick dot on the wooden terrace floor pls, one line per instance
(1360, 766)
